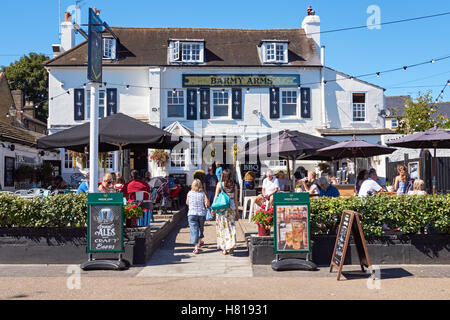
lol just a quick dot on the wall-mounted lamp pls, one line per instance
(256, 112)
(155, 109)
(41, 153)
(12, 147)
(62, 84)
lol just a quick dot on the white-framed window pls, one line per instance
(177, 158)
(101, 104)
(190, 52)
(194, 153)
(289, 103)
(277, 163)
(110, 161)
(175, 104)
(68, 164)
(221, 103)
(275, 52)
(109, 48)
(359, 107)
(394, 123)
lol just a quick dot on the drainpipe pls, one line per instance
(322, 87)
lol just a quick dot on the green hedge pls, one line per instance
(407, 213)
(53, 211)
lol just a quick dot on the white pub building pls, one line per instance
(214, 87)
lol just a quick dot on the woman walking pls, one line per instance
(197, 202)
(225, 218)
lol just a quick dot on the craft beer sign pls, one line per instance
(241, 80)
(291, 222)
(105, 222)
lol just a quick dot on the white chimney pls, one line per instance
(311, 25)
(67, 33)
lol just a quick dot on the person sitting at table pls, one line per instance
(58, 184)
(326, 189)
(401, 181)
(419, 188)
(310, 183)
(134, 185)
(107, 184)
(283, 181)
(370, 186)
(120, 182)
(362, 176)
(84, 186)
(269, 187)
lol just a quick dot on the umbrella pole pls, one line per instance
(434, 169)
(288, 169)
(121, 160)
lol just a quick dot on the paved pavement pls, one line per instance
(174, 272)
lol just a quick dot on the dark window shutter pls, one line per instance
(237, 103)
(205, 104)
(111, 101)
(191, 113)
(305, 99)
(78, 104)
(274, 103)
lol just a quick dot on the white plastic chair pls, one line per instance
(250, 210)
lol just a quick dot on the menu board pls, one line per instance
(105, 223)
(291, 224)
(350, 223)
(341, 239)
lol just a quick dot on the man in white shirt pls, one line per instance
(370, 187)
(269, 187)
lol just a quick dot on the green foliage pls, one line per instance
(420, 115)
(29, 75)
(407, 213)
(53, 211)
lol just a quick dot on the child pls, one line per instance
(197, 202)
(419, 188)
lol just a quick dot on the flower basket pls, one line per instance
(132, 223)
(160, 157)
(262, 231)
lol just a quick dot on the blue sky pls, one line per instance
(353, 52)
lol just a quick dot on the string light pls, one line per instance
(442, 91)
(378, 74)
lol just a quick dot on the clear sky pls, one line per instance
(32, 26)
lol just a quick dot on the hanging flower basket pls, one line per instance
(160, 157)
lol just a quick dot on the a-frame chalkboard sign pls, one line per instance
(350, 223)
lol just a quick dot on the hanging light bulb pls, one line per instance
(404, 67)
(128, 86)
(378, 74)
(150, 88)
(433, 61)
(248, 90)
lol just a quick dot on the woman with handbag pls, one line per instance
(197, 202)
(225, 207)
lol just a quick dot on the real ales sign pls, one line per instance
(105, 222)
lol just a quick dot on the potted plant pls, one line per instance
(132, 212)
(199, 174)
(264, 219)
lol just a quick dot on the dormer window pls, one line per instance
(189, 51)
(109, 48)
(274, 51)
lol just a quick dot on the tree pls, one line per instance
(29, 75)
(421, 114)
